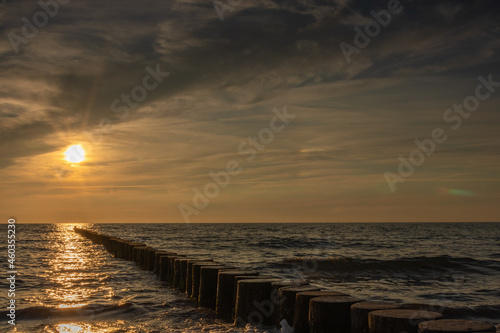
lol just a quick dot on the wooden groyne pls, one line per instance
(244, 297)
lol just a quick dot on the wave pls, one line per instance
(402, 265)
(88, 312)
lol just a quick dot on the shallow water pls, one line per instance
(68, 284)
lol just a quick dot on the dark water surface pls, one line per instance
(68, 284)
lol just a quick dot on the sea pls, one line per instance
(67, 284)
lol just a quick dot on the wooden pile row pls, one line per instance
(245, 297)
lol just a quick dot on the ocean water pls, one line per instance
(65, 283)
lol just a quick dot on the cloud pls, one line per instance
(353, 120)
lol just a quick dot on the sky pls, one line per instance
(193, 111)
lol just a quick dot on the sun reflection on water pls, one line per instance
(81, 328)
(70, 328)
(69, 306)
(73, 286)
(68, 267)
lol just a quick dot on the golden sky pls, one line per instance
(161, 94)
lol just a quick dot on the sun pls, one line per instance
(75, 154)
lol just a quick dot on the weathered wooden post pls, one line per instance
(286, 297)
(359, 314)
(454, 326)
(189, 274)
(399, 320)
(253, 302)
(225, 292)
(195, 288)
(331, 314)
(158, 255)
(301, 314)
(150, 258)
(208, 285)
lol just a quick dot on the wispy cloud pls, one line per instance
(352, 120)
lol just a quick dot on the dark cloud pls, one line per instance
(95, 51)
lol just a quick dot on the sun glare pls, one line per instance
(75, 154)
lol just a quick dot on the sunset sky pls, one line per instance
(229, 75)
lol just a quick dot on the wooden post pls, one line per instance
(454, 326)
(207, 296)
(301, 314)
(359, 314)
(137, 254)
(189, 274)
(150, 261)
(183, 273)
(399, 320)
(164, 267)
(171, 269)
(331, 314)
(246, 277)
(225, 292)
(253, 302)
(158, 255)
(276, 287)
(178, 276)
(195, 288)
(130, 250)
(286, 297)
